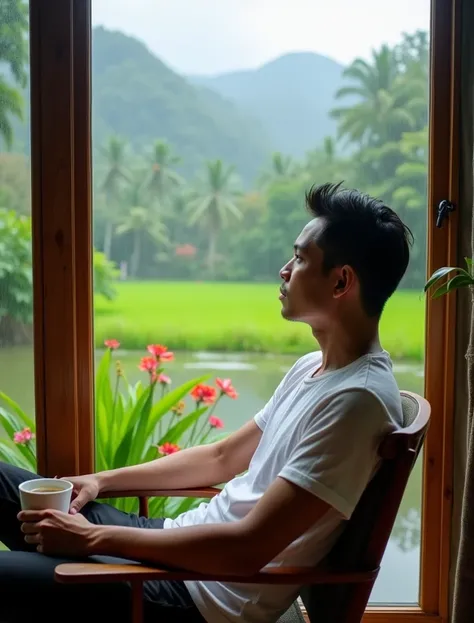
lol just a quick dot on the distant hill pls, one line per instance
(291, 95)
(240, 117)
(138, 97)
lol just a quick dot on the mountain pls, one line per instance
(291, 96)
(136, 96)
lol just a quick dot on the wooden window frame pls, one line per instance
(60, 51)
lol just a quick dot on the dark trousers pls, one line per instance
(28, 590)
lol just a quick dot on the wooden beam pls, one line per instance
(60, 152)
(440, 313)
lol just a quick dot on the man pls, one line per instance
(294, 473)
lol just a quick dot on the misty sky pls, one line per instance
(212, 36)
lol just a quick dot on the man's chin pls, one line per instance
(287, 313)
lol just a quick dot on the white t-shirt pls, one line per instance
(322, 434)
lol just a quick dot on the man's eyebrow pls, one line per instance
(300, 247)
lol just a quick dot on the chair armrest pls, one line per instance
(82, 573)
(196, 492)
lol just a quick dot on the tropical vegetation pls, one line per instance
(134, 423)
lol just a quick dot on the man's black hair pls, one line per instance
(367, 235)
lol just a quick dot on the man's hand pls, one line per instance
(86, 489)
(57, 533)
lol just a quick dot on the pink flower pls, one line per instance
(160, 352)
(163, 379)
(168, 356)
(204, 393)
(148, 364)
(168, 448)
(112, 344)
(226, 387)
(216, 422)
(23, 436)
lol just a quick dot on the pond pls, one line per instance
(255, 377)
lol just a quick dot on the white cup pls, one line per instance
(34, 494)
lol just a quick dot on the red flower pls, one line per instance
(204, 393)
(148, 364)
(23, 436)
(226, 387)
(185, 250)
(168, 448)
(160, 352)
(216, 422)
(112, 344)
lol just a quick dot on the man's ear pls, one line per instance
(345, 281)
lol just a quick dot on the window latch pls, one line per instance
(444, 208)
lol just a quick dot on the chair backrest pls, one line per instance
(363, 541)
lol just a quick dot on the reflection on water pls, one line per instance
(255, 377)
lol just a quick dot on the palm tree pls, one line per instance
(139, 220)
(323, 164)
(378, 110)
(163, 180)
(213, 202)
(114, 153)
(281, 167)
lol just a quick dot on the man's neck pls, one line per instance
(341, 345)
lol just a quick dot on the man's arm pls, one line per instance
(241, 547)
(200, 466)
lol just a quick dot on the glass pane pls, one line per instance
(207, 130)
(17, 442)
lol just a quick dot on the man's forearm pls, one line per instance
(193, 467)
(212, 548)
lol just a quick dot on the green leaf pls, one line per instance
(469, 264)
(104, 404)
(139, 439)
(9, 454)
(28, 422)
(460, 281)
(440, 273)
(187, 504)
(173, 435)
(170, 400)
(11, 423)
(122, 455)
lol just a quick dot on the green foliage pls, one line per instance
(134, 423)
(13, 54)
(16, 281)
(16, 277)
(463, 278)
(105, 276)
(15, 183)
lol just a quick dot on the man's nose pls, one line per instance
(285, 273)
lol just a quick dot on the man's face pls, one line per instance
(307, 293)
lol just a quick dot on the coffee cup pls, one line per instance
(46, 494)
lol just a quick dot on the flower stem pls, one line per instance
(207, 417)
(206, 435)
(198, 404)
(114, 423)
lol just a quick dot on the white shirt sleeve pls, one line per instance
(337, 453)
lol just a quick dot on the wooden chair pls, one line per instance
(336, 591)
